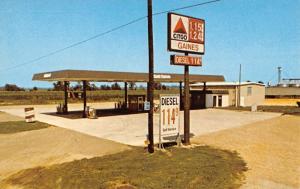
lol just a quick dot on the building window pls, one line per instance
(249, 91)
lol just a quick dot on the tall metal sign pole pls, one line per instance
(151, 80)
(186, 35)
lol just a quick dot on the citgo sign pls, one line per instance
(185, 34)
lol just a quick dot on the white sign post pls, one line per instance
(169, 116)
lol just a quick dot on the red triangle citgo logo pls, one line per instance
(179, 28)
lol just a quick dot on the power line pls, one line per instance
(104, 33)
(186, 7)
(75, 44)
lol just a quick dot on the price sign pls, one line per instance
(186, 60)
(169, 115)
(196, 30)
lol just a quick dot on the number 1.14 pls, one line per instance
(170, 114)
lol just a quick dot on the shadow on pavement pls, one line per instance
(99, 113)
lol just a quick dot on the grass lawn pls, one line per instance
(20, 126)
(199, 167)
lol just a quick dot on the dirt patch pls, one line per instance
(99, 113)
(4, 117)
(270, 148)
(49, 146)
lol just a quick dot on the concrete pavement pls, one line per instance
(132, 129)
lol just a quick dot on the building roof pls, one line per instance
(290, 82)
(283, 91)
(225, 84)
(210, 91)
(107, 76)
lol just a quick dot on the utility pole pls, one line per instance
(151, 80)
(186, 105)
(240, 78)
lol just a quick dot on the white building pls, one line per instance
(223, 94)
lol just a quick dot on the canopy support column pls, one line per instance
(65, 107)
(126, 96)
(204, 94)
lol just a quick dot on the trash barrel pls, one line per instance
(29, 115)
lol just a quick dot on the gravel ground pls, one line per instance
(49, 146)
(268, 142)
(270, 148)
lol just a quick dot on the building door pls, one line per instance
(140, 103)
(214, 101)
(219, 101)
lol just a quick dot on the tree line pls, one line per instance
(59, 86)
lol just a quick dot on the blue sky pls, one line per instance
(259, 34)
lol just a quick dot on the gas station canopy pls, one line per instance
(107, 76)
(85, 76)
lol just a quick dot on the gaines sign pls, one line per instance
(169, 115)
(185, 34)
